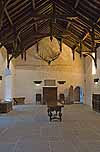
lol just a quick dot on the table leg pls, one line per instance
(57, 115)
(60, 115)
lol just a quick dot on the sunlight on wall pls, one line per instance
(8, 83)
(93, 65)
(8, 88)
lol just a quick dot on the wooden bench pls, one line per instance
(19, 100)
(56, 108)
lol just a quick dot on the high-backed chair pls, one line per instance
(71, 96)
(61, 97)
(38, 98)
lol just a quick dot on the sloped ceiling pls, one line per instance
(24, 23)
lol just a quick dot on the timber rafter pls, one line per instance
(73, 20)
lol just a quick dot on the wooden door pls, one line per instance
(49, 94)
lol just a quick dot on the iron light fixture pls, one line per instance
(37, 83)
(96, 80)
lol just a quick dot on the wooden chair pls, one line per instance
(61, 97)
(38, 98)
(71, 95)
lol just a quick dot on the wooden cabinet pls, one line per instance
(96, 102)
(49, 94)
(5, 107)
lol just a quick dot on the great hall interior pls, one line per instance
(49, 75)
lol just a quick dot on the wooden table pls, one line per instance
(54, 110)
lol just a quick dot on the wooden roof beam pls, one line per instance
(49, 16)
(2, 9)
(76, 4)
(20, 28)
(7, 14)
(33, 4)
(85, 36)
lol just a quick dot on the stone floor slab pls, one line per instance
(27, 129)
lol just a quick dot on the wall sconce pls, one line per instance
(37, 83)
(0, 79)
(96, 80)
(61, 82)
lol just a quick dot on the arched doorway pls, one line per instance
(78, 95)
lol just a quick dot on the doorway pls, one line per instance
(78, 95)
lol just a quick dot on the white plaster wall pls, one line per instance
(90, 86)
(96, 87)
(2, 65)
(8, 81)
(88, 81)
(64, 68)
(3, 83)
(24, 84)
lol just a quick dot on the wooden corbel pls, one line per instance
(37, 46)
(80, 48)
(60, 41)
(22, 53)
(60, 45)
(8, 60)
(25, 55)
(94, 58)
(73, 52)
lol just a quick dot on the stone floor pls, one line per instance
(27, 129)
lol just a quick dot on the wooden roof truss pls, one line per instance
(24, 23)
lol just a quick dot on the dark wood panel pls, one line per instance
(96, 102)
(5, 107)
